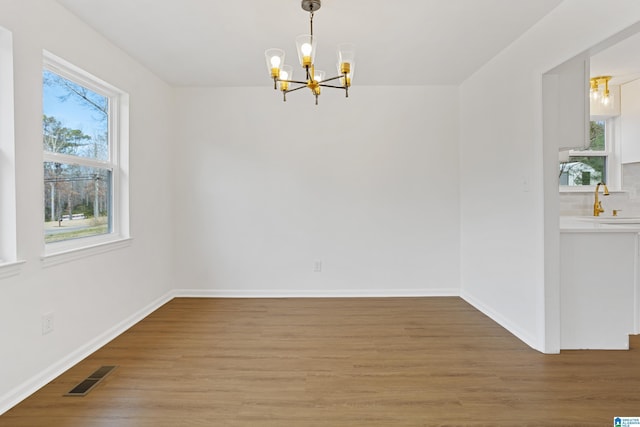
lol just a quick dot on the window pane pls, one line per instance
(76, 201)
(586, 170)
(597, 135)
(75, 119)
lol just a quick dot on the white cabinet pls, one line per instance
(565, 97)
(630, 122)
(597, 289)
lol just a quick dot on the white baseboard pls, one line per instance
(500, 320)
(333, 293)
(15, 396)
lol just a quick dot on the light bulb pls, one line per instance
(306, 49)
(274, 58)
(286, 73)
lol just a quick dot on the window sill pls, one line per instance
(586, 189)
(9, 269)
(72, 254)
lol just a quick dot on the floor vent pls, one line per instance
(89, 383)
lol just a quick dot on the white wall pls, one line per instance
(509, 208)
(92, 297)
(368, 185)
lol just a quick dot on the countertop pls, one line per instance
(601, 224)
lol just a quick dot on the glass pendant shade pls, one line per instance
(603, 96)
(599, 89)
(318, 77)
(593, 91)
(275, 60)
(346, 57)
(286, 73)
(598, 94)
(306, 46)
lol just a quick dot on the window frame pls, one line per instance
(117, 162)
(613, 165)
(9, 263)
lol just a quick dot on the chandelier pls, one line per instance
(600, 90)
(314, 79)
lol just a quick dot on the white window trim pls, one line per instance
(614, 164)
(9, 264)
(96, 247)
(9, 269)
(68, 250)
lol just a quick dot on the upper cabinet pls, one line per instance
(565, 97)
(630, 122)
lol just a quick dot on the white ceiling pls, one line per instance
(222, 43)
(621, 61)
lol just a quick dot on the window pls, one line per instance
(587, 167)
(84, 159)
(583, 169)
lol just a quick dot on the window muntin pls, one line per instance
(85, 197)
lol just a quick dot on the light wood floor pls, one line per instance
(335, 362)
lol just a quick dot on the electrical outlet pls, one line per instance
(317, 266)
(47, 323)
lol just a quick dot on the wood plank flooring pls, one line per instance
(335, 362)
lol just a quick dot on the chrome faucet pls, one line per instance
(597, 205)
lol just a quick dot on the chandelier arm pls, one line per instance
(335, 87)
(345, 88)
(293, 81)
(333, 78)
(296, 88)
